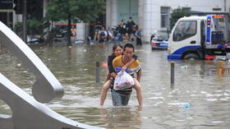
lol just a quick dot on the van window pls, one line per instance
(184, 30)
(202, 34)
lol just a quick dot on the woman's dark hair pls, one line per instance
(129, 45)
(115, 47)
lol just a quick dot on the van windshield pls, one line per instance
(184, 30)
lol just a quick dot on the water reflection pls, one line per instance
(5, 109)
(196, 84)
(121, 117)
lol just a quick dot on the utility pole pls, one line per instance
(130, 7)
(25, 21)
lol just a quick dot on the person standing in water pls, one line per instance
(117, 51)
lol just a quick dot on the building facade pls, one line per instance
(153, 16)
(10, 17)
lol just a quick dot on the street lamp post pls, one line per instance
(25, 21)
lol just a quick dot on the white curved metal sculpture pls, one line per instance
(46, 87)
(28, 113)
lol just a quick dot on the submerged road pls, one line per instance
(199, 99)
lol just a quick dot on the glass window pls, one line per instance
(184, 30)
(165, 17)
(202, 28)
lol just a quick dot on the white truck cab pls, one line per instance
(198, 37)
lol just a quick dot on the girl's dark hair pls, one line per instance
(115, 47)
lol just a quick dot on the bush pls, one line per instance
(18, 27)
(34, 27)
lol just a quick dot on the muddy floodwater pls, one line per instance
(199, 99)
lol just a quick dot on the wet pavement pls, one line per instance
(199, 99)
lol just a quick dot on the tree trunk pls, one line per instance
(69, 32)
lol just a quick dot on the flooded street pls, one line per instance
(199, 99)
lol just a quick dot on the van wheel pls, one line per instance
(191, 56)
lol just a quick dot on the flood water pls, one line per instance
(199, 99)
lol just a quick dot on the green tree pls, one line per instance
(77, 10)
(178, 13)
